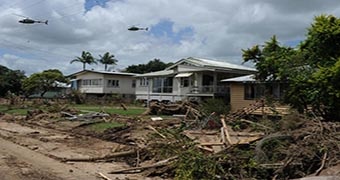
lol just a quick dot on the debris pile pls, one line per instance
(234, 148)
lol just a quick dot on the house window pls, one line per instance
(184, 82)
(91, 82)
(133, 84)
(253, 91)
(113, 83)
(162, 85)
(143, 82)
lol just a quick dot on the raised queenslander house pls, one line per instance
(100, 83)
(189, 79)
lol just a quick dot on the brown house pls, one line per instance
(245, 91)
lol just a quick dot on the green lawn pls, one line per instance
(17, 111)
(131, 111)
(101, 127)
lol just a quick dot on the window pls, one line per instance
(91, 82)
(162, 85)
(113, 83)
(253, 91)
(184, 82)
(143, 82)
(133, 84)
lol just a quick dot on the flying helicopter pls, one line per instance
(27, 20)
(135, 28)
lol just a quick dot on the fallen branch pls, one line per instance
(322, 164)
(157, 164)
(92, 159)
(103, 176)
(257, 124)
(155, 130)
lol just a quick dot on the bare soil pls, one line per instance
(30, 151)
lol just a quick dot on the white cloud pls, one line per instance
(220, 29)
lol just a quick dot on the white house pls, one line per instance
(189, 78)
(99, 83)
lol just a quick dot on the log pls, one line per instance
(157, 164)
(123, 106)
(106, 157)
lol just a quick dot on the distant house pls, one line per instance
(189, 78)
(245, 90)
(99, 83)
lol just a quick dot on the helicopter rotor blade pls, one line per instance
(19, 15)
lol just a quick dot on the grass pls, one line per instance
(13, 110)
(133, 111)
(101, 127)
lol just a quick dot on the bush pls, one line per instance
(215, 105)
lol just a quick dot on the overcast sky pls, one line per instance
(211, 29)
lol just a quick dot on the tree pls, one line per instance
(312, 70)
(107, 59)
(151, 66)
(85, 58)
(43, 82)
(10, 80)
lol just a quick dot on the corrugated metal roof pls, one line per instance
(183, 75)
(103, 72)
(212, 63)
(247, 78)
(156, 73)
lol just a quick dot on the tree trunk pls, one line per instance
(84, 65)
(105, 67)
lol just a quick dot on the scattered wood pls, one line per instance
(225, 129)
(102, 158)
(156, 131)
(257, 124)
(134, 169)
(103, 176)
(123, 106)
(84, 117)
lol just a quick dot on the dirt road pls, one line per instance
(33, 152)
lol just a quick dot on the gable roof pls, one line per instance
(207, 63)
(102, 72)
(247, 78)
(157, 73)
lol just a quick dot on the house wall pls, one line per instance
(125, 85)
(237, 100)
(90, 89)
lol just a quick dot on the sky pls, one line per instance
(210, 29)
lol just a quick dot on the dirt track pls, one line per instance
(35, 153)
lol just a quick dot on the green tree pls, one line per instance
(151, 66)
(107, 59)
(43, 82)
(312, 70)
(10, 80)
(85, 58)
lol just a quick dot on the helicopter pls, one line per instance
(30, 21)
(135, 28)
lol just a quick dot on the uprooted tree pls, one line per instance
(312, 70)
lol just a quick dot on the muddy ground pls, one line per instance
(38, 148)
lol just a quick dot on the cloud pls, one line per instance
(178, 28)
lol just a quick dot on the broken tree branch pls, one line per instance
(157, 164)
(92, 159)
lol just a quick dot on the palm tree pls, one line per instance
(107, 59)
(85, 58)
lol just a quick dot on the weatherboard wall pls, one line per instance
(237, 100)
